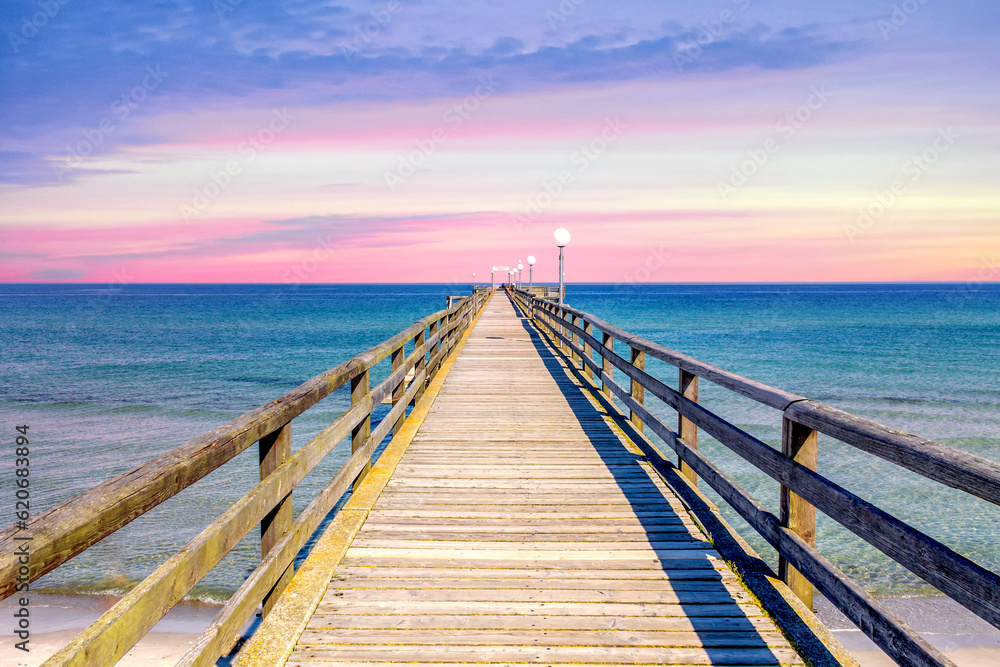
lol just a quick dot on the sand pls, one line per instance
(961, 635)
(56, 619)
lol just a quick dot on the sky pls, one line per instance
(415, 141)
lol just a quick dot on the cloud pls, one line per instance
(207, 62)
(295, 234)
(56, 274)
(103, 60)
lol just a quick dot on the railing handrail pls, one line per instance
(803, 490)
(62, 532)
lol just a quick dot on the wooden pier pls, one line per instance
(519, 527)
(522, 511)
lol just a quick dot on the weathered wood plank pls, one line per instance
(580, 623)
(610, 638)
(533, 655)
(485, 582)
(360, 571)
(614, 609)
(692, 598)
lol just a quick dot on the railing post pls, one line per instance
(687, 430)
(360, 386)
(638, 392)
(434, 349)
(574, 338)
(799, 443)
(274, 449)
(449, 322)
(398, 359)
(608, 341)
(588, 351)
(562, 329)
(421, 364)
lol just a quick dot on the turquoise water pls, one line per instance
(110, 376)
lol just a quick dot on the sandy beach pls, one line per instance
(56, 619)
(962, 636)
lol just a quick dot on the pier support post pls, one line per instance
(360, 386)
(274, 449)
(799, 443)
(638, 392)
(687, 386)
(608, 341)
(398, 359)
(588, 351)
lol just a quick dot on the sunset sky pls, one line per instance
(415, 141)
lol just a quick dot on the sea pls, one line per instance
(107, 376)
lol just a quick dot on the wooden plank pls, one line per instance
(528, 512)
(582, 562)
(532, 551)
(693, 598)
(540, 608)
(357, 570)
(610, 638)
(534, 526)
(395, 663)
(483, 582)
(579, 623)
(628, 543)
(533, 655)
(630, 540)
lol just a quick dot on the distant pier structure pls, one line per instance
(530, 505)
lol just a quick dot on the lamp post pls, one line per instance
(473, 282)
(561, 238)
(520, 267)
(531, 272)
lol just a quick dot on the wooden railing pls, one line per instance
(545, 291)
(68, 529)
(580, 336)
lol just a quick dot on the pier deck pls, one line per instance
(520, 527)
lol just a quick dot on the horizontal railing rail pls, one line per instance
(580, 336)
(68, 529)
(545, 291)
